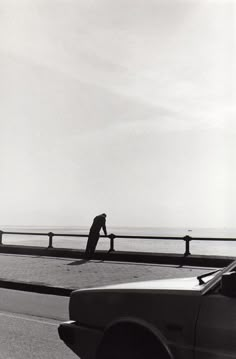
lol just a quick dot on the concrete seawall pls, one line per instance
(124, 256)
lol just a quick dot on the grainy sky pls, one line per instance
(125, 107)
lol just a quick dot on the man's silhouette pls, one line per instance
(99, 223)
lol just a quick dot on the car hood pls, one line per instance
(178, 284)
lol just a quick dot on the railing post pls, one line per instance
(50, 235)
(1, 233)
(112, 237)
(187, 240)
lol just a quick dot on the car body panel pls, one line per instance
(100, 307)
(187, 312)
(82, 340)
(216, 330)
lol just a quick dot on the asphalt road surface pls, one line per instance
(28, 326)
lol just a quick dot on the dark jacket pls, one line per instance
(99, 223)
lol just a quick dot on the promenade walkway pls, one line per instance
(54, 274)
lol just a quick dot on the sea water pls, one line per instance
(164, 245)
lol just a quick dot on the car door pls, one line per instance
(216, 327)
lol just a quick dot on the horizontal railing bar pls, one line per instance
(177, 238)
(145, 237)
(26, 233)
(123, 236)
(187, 239)
(70, 235)
(210, 239)
(86, 235)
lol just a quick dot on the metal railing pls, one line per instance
(187, 239)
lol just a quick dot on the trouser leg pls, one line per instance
(88, 246)
(91, 245)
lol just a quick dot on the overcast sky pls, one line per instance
(125, 107)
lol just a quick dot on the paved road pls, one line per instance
(34, 304)
(28, 326)
(69, 273)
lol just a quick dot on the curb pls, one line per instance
(35, 288)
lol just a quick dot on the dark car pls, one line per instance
(187, 318)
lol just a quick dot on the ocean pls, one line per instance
(124, 244)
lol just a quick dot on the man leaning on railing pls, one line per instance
(99, 223)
